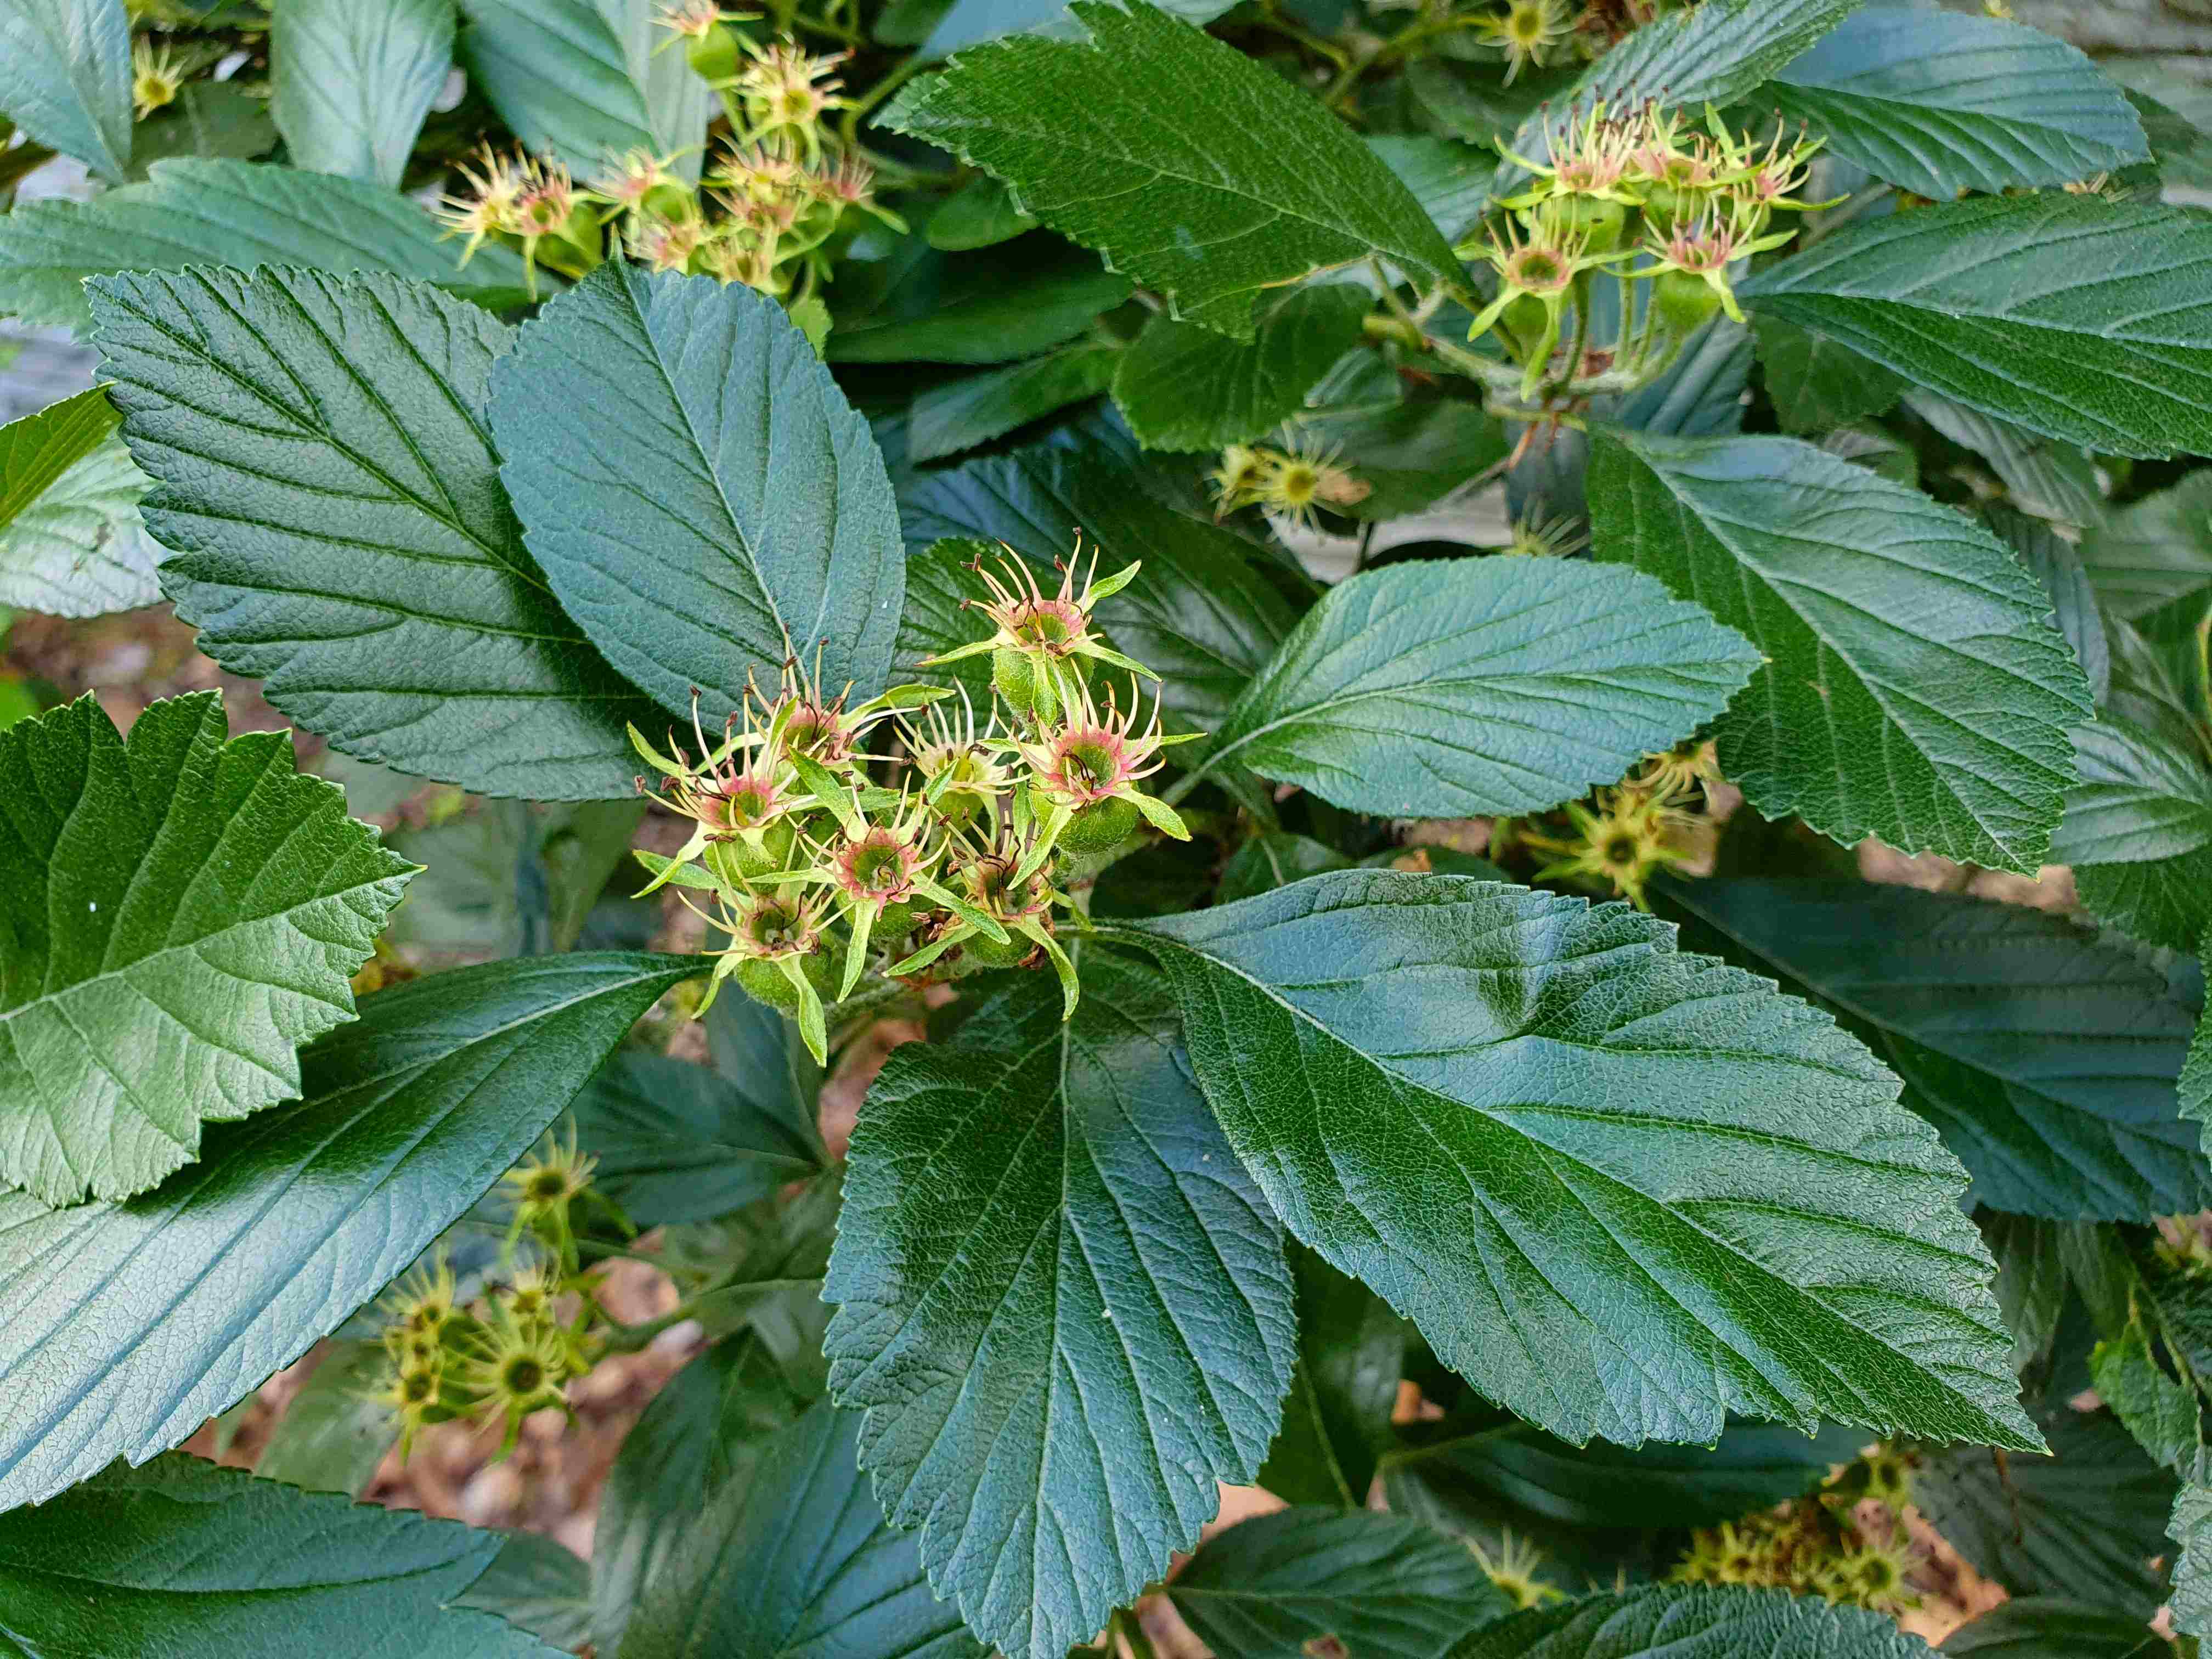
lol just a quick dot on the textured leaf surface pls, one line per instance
(1025, 297)
(798, 1560)
(65, 78)
(2049, 1627)
(1816, 384)
(2084, 1523)
(1183, 386)
(1284, 1585)
(2191, 1530)
(1194, 170)
(1709, 1623)
(1944, 103)
(1062, 1305)
(181, 913)
(322, 469)
(1712, 54)
(964, 413)
(677, 1142)
(1336, 1419)
(230, 213)
(1680, 1193)
(1915, 687)
(581, 80)
(2138, 832)
(967, 21)
(71, 542)
(697, 488)
(2058, 566)
(2151, 560)
(2044, 1056)
(537, 1585)
(130, 1324)
(1442, 688)
(190, 1561)
(351, 80)
(2075, 316)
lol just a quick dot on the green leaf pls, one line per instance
(1410, 451)
(538, 1585)
(2151, 560)
(1062, 1304)
(1449, 178)
(212, 120)
(2058, 566)
(2031, 1287)
(761, 1054)
(230, 213)
(511, 878)
(2191, 1530)
(1025, 297)
(65, 78)
(1714, 53)
(1290, 1584)
(961, 414)
(192, 1561)
(2049, 1627)
(1195, 170)
(1183, 386)
(1274, 859)
(1942, 103)
(967, 21)
(2195, 1086)
(1336, 1422)
(702, 1432)
(1709, 1623)
(797, 1560)
(2138, 832)
(2072, 316)
(676, 1142)
(322, 467)
(1816, 384)
(2045, 1056)
(980, 214)
(1203, 613)
(2054, 479)
(350, 83)
(335, 1432)
(1915, 688)
(130, 1324)
(180, 914)
(71, 542)
(1683, 1194)
(1602, 1510)
(581, 80)
(700, 494)
(767, 1266)
(2082, 1523)
(2161, 1412)
(1442, 688)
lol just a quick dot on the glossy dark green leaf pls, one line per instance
(1285, 1586)
(1178, 172)
(1184, 386)
(1203, 613)
(181, 913)
(230, 213)
(1944, 103)
(2044, 1055)
(699, 492)
(2051, 1627)
(1683, 1193)
(584, 80)
(798, 1560)
(2058, 566)
(2084, 1523)
(334, 1432)
(2138, 832)
(1018, 298)
(1710, 1623)
(1915, 688)
(350, 84)
(72, 541)
(1443, 687)
(65, 78)
(677, 1142)
(962, 413)
(1714, 53)
(1336, 1420)
(1601, 1510)
(130, 1324)
(322, 467)
(539, 1586)
(2072, 316)
(2151, 560)
(190, 1561)
(2191, 1530)
(1062, 1304)
(1815, 383)
(702, 1432)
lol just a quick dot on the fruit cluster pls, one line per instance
(1847, 1543)
(814, 866)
